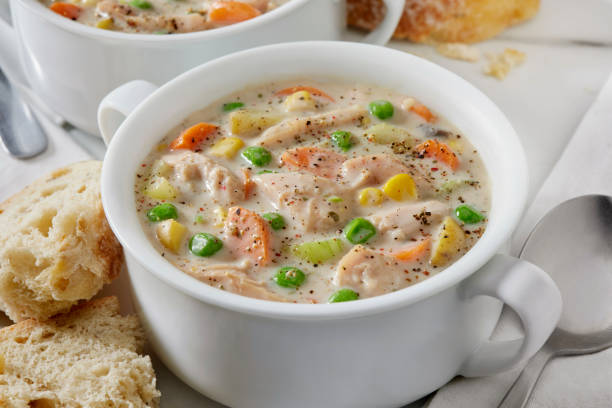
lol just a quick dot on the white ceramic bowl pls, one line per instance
(377, 352)
(72, 66)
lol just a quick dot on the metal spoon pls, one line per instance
(573, 243)
(20, 132)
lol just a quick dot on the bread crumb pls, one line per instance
(459, 51)
(500, 64)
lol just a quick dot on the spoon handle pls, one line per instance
(518, 395)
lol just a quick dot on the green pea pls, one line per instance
(275, 219)
(359, 231)
(289, 277)
(335, 199)
(205, 244)
(230, 106)
(141, 4)
(381, 109)
(343, 295)
(468, 214)
(342, 139)
(257, 156)
(162, 212)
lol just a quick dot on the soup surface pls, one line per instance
(161, 16)
(313, 193)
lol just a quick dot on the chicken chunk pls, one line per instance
(225, 187)
(378, 168)
(232, 279)
(296, 130)
(372, 273)
(315, 160)
(407, 220)
(123, 14)
(305, 199)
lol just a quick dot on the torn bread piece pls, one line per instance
(56, 247)
(86, 358)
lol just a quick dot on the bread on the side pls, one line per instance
(441, 21)
(56, 247)
(86, 358)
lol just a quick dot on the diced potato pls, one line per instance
(299, 101)
(160, 168)
(106, 24)
(317, 252)
(448, 243)
(384, 133)
(246, 121)
(220, 216)
(370, 196)
(407, 104)
(455, 145)
(227, 147)
(160, 189)
(400, 187)
(170, 233)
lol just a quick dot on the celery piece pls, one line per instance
(317, 252)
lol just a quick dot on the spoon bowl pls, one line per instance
(573, 243)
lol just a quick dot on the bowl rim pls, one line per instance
(81, 29)
(468, 264)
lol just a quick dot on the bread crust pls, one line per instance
(56, 247)
(441, 21)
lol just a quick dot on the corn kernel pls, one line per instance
(370, 196)
(170, 233)
(227, 147)
(400, 187)
(220, 216)
(160, 189)
(106, 24)
(299, 101)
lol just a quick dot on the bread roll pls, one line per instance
(441, 21)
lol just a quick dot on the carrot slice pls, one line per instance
(423, 112)
(439, 151)
(67, 10)
(248, 235)
(230, 12)
(192, 137)
(315, 160)
(414, 252)
(312, 90)
(248, 183)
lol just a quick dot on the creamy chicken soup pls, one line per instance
(313, 193)
(161, 16)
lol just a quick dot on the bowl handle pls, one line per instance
(118, 104)
(534, 297)
(382, 34)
